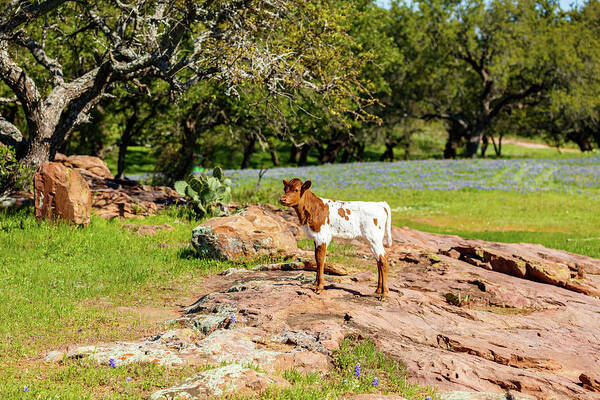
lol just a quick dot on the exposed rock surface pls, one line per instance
(86, 165)
(61, 193)
(221, 381)
(248, 234)
(16, 200)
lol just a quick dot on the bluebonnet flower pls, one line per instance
(25, 389)
(128, 379)
(375, 382)
(357, 370)
(575, 175)
(428, 398)
(112, 363)
(232, 319)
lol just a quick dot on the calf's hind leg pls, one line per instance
(382, 266)
(320, 251)
(382, 269)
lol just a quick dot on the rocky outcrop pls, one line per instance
(246, 235)
(529, 337)
(222, 381)
(86, 165)
(61, 193)
(119, 198)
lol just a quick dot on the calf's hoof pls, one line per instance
(317, 288)
(383, 296)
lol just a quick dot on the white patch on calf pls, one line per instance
(353, 219)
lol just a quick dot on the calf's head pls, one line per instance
(294, 190)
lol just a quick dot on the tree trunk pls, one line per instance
(185, 158)
(346, 155)
(248, 151)
(304, 154)
(389, 151)
(407, 143)
(453, 143)
(126, 139)
(330, 153)
(582, 140)
(484, 145)
(360, 152)
(473, 145)
(293, 154)
(274, 157)
(38, 149)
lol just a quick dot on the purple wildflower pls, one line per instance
(357, 370)
(376, 382)
(232, 319)
(128, 379)
(428, 398)
(112, 363)
(25, 389)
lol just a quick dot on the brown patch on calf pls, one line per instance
(343, 214)
(348, 211)
(375, 221)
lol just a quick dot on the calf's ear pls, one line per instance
(305, 186)
(285, 183)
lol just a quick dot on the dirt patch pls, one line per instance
(533, 145)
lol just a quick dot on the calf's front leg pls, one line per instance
(382, 267)
(320, 251)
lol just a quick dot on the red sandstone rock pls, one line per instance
(86, 164)
(61, 193)
(250, 234)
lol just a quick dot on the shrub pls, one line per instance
(206, 193)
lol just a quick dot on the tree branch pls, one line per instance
(24, 11)
(10, 134)
(21, 84)
(509, 98)
(51, 64)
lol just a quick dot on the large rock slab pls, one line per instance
(534, 339)
(226, 380)
(61, 193)
(94, 166)
(250, 234)
(534, 262)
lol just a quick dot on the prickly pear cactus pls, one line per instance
(205, 193)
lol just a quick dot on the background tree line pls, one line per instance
(209, 82)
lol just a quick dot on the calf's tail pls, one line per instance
(388, 224)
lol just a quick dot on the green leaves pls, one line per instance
(206, 192)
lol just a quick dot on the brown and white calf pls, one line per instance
(324, 219)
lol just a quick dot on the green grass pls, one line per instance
(139, 160)
(62, 285)
(392, 376)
